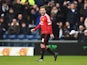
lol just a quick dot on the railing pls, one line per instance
(65, 47)
(38, 41)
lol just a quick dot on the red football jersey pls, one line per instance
(45, 24)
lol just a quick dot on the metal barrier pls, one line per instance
(65, 47)
(38, 41)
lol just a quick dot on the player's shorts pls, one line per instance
(45, 38)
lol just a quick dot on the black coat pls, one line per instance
(85, 39)
(73, 17)
(81, 37)
(59, 33)
(1, 31)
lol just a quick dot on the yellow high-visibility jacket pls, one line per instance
(31, 2)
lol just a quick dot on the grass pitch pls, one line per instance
(49, 60)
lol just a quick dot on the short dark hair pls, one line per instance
(43, 7)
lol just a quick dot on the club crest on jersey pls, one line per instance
(42, 19)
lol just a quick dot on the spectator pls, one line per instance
(54, 10)
(32, 17)
(80, 4)
(2, 29)
(67, 27)
(48, 8)
(4, 9)
(85, 23)
(83, 10)
(81, 33)
(24, 29)
(85, 37)
(73, 16)
(60, 31)
(81, 21)
(14, 28)
(73, 35)
(54, 25)
(81, 29)
(39, 2)
(59, 13)
(31, 2)
(71, 13)
(59, 1)
(20, 18)
(25, 9)
(67, 35)
(0, 7)
(65, 7)
(9, 16)
(9, 2)
(17, 7)
(36, 14)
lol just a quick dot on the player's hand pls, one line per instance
(51, 36)
(32, 30)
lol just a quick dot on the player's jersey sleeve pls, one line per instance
(37, 27)
(49, 24)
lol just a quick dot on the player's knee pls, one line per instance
(42, 46)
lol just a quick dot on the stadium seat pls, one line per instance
(29, 37)
(20, 37)
(5, 36)
(37, 37)
(12, 37)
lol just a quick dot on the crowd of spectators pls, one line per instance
(69, 17)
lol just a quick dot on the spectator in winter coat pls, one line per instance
(14, 28)
(73, 16)
(23, 29)
(85, 23)
(2, 29)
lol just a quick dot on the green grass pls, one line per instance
(49, 60)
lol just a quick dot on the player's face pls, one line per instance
(42, 11)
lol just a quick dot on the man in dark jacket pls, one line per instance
(2, 29)
(81, 34)
(73, 16)
(39, 2)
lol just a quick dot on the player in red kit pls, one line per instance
(46, 30)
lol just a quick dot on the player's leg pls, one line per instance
(42, 46)
(55, 54)
(48, 49)
(46, 38)
(42, 50)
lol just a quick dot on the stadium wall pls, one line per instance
(65, 47)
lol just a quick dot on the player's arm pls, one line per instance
(36, 28)
(51, 33)
(50, 27)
